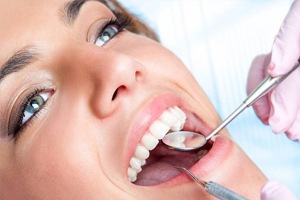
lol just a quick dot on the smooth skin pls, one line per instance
(78, 145)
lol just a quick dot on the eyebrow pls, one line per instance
(19, 60)
(71, 10)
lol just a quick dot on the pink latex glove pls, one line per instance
(274, 190)
(281, 107)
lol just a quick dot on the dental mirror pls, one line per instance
(184, 140)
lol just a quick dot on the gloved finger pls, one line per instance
(274, 190)
(284, 103)
(256, 74)
(294, 131)
(286, 47)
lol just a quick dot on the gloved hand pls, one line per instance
(274, 190)
(281, 107)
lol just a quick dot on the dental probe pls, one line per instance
(192, 140)
(213, 188)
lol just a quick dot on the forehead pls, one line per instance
(28, 21)
(16, 10)
(18, 17)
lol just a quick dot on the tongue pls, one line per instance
(160, 166)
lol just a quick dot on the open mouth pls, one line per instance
(153, 163)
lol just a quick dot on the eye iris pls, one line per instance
(35, 104)
(108, 34)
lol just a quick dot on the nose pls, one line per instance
(107, 78)
(116, 77)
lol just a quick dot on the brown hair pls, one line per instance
(137, 25)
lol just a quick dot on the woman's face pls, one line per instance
(76, 104)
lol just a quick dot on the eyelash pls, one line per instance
(19, 127)
(121, 22)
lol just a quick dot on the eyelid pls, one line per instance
(95, 29)
(121, 22)
(45, 96)
(18, 110)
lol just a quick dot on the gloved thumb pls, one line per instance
(274, 190)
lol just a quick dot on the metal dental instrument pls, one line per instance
(213, 188)
(188, 141)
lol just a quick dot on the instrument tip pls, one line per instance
(203, 183)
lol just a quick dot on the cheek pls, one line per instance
(59, 162)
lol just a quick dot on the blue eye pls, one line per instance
(34, 105)
(30, 108)
(107, 34)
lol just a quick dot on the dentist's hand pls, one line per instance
(274, 190)
(281, 107)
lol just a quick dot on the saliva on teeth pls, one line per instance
(172, 119)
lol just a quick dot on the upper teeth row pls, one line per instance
(172, 119)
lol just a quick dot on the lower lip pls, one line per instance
(219, 152)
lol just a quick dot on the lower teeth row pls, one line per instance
(172, 119)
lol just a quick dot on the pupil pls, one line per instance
(105, 36)
(35, 104)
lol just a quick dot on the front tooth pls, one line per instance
(176, 126)
(149, 141)
(168, 118)
(182, 116)
(180, 112)
(136, 164)
(175, 112)
(141, 152)
(159, 129)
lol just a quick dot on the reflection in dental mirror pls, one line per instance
(184, 140)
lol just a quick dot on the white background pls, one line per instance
(218, 39)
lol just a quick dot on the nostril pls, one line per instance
(137, 75)
(115, 94)
(117, 91)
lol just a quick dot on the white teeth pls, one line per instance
(149, 141)
(176, 127)
(141, 152)
(168, 118)
(143, 162)
(180, 115)
(171, 119)
(132, 174)
(136, 164)
(159, 129)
